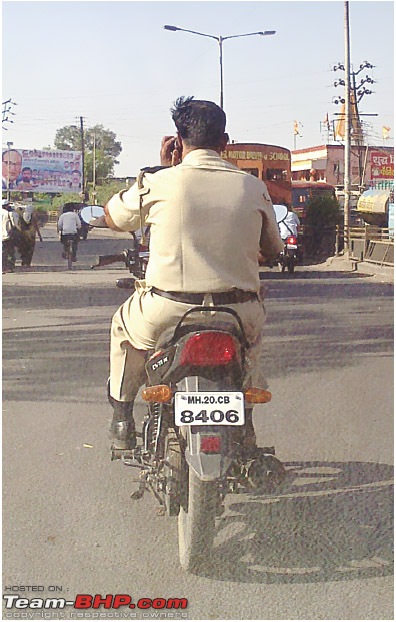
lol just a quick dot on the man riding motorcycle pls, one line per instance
(288, 226)
(69, 225)
(208, 221)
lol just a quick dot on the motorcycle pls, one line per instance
(193, 449)
(289, 256)
(291, 253)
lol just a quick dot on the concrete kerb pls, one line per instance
(344, 263)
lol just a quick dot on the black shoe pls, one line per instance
(123, 434)
(122, 428)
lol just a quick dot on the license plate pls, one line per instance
(209, 408)
(291, 246)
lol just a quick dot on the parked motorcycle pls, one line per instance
(193, 447)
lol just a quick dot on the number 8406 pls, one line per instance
(215, 416)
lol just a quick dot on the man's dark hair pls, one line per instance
(200, 123)
(8, 151)
(26, 168)
(68, 207)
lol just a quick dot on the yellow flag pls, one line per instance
(296, 128)
(385, 131)
(340, 127)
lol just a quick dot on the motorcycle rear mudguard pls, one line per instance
(207, 466)
(291, 252)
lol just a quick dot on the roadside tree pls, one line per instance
(323, 214)
(107, 149)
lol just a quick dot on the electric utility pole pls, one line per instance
(347, 153)
(349, 127)
(82, 159)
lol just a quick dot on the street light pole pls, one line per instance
(220, 40)
(221, 73)
(9, 145)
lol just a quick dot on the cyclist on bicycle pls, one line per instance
(68, 226)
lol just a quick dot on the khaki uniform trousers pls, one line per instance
(139, 322)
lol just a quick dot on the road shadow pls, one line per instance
(333, 521)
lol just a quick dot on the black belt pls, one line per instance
(219, 298)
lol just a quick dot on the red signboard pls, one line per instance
(382, 165)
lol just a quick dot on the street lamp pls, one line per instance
(220, 40)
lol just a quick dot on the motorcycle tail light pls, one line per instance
(253, 395)
(158, 393)
(291, 240)
(208, 349)
(210, 444)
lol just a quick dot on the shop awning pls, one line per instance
(307, 165)
(301, 165)
(373, 202)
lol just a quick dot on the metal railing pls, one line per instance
(368, 243)
(53, 216)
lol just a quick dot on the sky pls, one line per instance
(112, 63)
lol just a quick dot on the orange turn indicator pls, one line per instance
(253, 395)
(157, 393)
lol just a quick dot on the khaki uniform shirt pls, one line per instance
(205, 218)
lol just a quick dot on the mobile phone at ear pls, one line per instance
(176, 153)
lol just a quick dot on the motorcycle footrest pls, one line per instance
(128, 457)
(268, 450)
(120, 454)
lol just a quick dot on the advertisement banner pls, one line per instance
(382, 165)
(33, 170)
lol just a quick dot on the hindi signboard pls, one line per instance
(382, 165)
(33, 170)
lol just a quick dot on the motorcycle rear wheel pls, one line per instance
(197, 523)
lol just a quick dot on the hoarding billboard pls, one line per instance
(33, 170)
(382, 165)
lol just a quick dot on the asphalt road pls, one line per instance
(319, 550)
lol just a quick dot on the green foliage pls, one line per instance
(107, 149)
(323, 213)
(107, 190)
(67, 197)
(42, 202)
(103, 194)
(68, 138)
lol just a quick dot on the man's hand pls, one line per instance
(98, 222)
(169, 155)
(109, 221)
